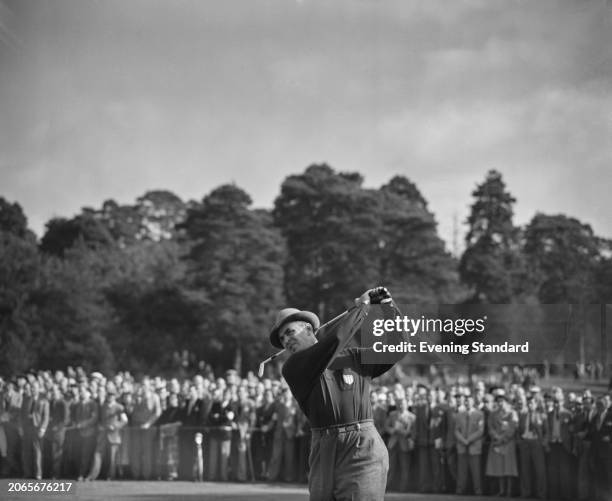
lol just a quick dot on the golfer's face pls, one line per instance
(295, 336)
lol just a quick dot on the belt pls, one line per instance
(342, 428)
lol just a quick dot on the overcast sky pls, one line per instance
(107, 99)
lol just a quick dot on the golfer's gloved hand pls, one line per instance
(377, 295)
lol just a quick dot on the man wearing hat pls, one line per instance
(469, 431)
(34, 423)
(112, 419)
(348, 458)
(533, 438)
(559, 460)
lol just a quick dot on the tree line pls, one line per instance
(127, 286)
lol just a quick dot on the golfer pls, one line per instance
(348, 458)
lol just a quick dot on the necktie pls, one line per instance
(467, 427)
(527, 425)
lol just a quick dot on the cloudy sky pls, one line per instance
(107, 99)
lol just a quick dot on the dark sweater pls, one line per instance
(329, 381)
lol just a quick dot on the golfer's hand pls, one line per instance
(363, 299)
(379, 295)
(374, 296)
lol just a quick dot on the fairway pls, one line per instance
(204, 491)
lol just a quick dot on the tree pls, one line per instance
(330, 224)
(62, 234)
(492, 264)
(73, 318)
(235, 268)
(567, 259)
(154, 216)
(20, 270)
(161, 212)
(565, 256)
(124, 222)
(603, 274)
(413, 260)
(154, 313)
(13, 220)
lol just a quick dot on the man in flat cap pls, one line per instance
(348, 458)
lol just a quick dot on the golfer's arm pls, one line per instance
(397, 336)
(337, 335)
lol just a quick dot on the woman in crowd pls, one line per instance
(501, 461)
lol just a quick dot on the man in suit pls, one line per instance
(86, 418)
(72, 441)
(400, 428)
(59, 417)
(532, 441)
(112, 419)
(222, 416)
(469, 431)
(193, 417)
(34, 423)
(13, 399)
(147, 409)
(487, 407)
(601, 445)
(583, 415)
(423, 441)
(379, 412)
(262, 438)
(450, 440)
(283, 447)
(559, 451)
(437, 427)
(169, 423)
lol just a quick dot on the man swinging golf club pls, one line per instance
(348, 458)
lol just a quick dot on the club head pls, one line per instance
(260, 371)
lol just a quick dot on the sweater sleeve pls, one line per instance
(390, 311)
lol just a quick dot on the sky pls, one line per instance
(111, 98)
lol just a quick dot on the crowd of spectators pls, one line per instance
(465, 436)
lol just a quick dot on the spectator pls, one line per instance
(193, 419)
(400, 428)
(244, 424)
(583, 416)
(12, 401)
(112, 420)
(263, 435)
(86, 418)
(601, 436)
(169, 423)
(59, 417)
(147, 410)
(469, 431)
(221, 417)
(560, 450)
(34, 423)
(501, 461)
(533, 437)
(282, 462)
